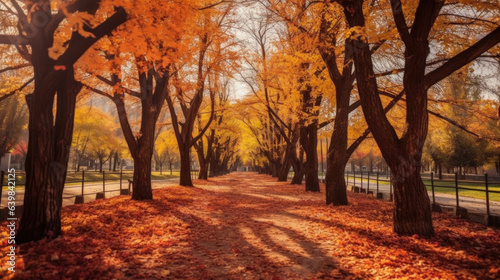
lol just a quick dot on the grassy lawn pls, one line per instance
(444, 187)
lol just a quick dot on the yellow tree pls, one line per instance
(95, 135)
(212, 51)
(166, 150)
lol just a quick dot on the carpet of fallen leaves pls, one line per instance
(248, 226)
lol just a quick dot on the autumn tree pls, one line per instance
(166, 152)
(219, 93)
(412, 212)
(13, 121)
(225, 134)
(40, 26)
(271, 87)
(212, 47)
(141, 57)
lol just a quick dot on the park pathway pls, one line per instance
(249, 226)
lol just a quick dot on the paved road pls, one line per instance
(90, 190)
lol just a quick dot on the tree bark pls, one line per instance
(309, 142)
(47, 159)
(185, 173)
(412, 208)
(336, 193)
(142, 189)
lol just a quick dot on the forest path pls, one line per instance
(249, 226)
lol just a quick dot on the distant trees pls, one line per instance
(95, 137)
(165, 153)
(212, 52)
(13, 121)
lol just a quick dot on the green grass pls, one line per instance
(442, 187)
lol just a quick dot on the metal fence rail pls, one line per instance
(364, 180)
(80, 184)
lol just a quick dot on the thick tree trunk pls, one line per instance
(338, 155)
(283, 171)
(412, 208)
(203, 175)
(142, 189)
(115, 162)
(309, 142)
(297, 177)
(185, 174)
(336, 193)
(47, 160)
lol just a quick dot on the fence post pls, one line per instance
(1, 186)
(368, 184)
(377, 184)
(347, 177)
(487, 194)
(432, 186)
(121, 176)
(354, 176)
(361, 180)
(456, 188)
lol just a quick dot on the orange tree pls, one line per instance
(134, 68)
(212, 51)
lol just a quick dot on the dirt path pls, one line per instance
(248, 226)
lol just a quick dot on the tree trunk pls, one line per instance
(203, 175)
(185, 174)
(412, 207)
(309, 142)
(336, 193)
(116, 158)
(283, 171)
(337, 155)
(47, 160)
(142, 175)
(297, 177)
